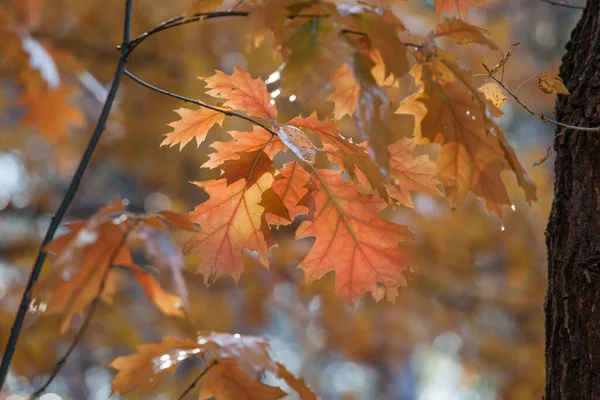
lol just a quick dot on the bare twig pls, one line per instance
(542, 117)
(88, 317)
(199, 103)
(69, 195)
(200, 376)
(563, 4)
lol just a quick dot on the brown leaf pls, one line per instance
(464, 33)
(552, 84)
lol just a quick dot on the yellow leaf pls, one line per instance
(552, 84)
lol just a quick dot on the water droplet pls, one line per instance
(502, 228)
(272, 102)
(237, 336)
(473, 117)
(202, 341)
(292, 97)
(468, 112)
(164, 357)
(513, 207)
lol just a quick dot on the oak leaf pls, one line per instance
(353, 240)
(464, 33)
(289, 186)
(228, 382)
(230, 221)
(193, 124)
(258, 139)
(411, 173)
(233, 365)
(461, 7)
(345, 93)
(50, 110)
(342, 151)
(449, 111)
(242, 92)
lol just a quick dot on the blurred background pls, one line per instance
(468, 326)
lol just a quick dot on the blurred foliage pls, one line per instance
(469, 324)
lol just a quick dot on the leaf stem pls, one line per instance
(79, 335)
(199, 103)
(195, 381)
(68, 198)
(542, 117)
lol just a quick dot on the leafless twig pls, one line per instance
(563, 4)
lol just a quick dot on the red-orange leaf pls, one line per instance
(193, 124)
(411, 173)
(353, 240)
(289, 186)
(347, 154)
(455, 6)
(242, 93)
(255, 140)
(145, 368)
(166, 302)
(228, 382)
(230, 221)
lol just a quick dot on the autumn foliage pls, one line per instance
(305, 174)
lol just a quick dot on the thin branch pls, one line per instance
(563, 4)
(68, 198)
(524, 82)
(195, 381)
(540, 116)
(199, 103)
(88, 317)
(184, 20)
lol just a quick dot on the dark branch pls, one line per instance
(68, 198)
(199, 103)
(563, 4)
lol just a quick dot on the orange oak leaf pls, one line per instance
(232, 362)
(242, 92)
(289, 186)
(345, 93)
(411, 173)
(250, 166)
(230, 221)
(166, 302)
(50, 110)
(228, 382)
(347, 154)
(258, 139)
(84, 257)
(464, 33)
(145, 368)
(449, 111)
(455, 6)
(353, 240)
(193, 124)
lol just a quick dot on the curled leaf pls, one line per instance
(552, 84)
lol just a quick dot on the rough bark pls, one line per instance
(572, 304)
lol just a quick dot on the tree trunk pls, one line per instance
(573, 236)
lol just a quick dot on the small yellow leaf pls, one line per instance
(552, 84)
(493, 93)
